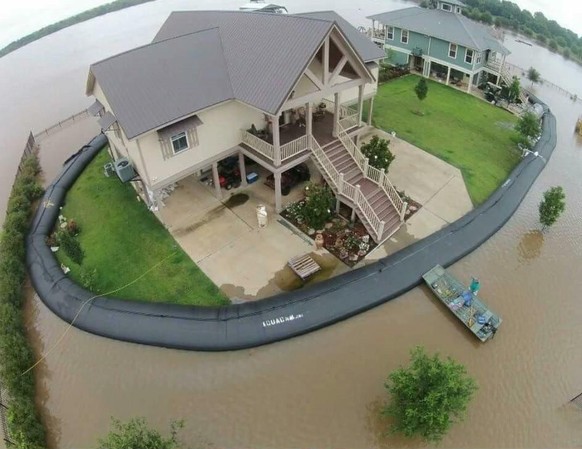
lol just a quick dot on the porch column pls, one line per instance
(360, 102)
(242, 169)
(278, 207)
(276, 141)
(370, 109)
(470, 83)
(216, 179)
(448, 75)
(336, 114)
(308, 122)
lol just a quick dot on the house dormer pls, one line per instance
(454, 6)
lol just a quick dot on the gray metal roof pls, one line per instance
(154, 85)
(453, 2)
(367, 50)
(444, 25)
(95, 108)
(201, 58)
(106, 121)
(173, 129)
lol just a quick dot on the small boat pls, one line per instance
(465, 305)
(579, 126)
(263, 6)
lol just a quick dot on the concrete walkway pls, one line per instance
(430, 181)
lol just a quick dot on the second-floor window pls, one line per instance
(390, 33)
(469, 56)
(478, 59)
(404, 37)
(452, 50)
(179, 142)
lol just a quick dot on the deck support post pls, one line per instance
(370, 109)
(242, 169)
(470, 83)
(216, 179)
(340, 186)
(337, 205)
(360, 102)
(336, 114)
(381, 230)
(276, 140)
(365, 167)
(309, 123)
(448, 75)
(277, 176)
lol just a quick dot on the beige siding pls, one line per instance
(220, 130)
(351, 95)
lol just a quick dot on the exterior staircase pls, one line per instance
(507, 78)
(365, 188)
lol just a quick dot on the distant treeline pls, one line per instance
(86, 15)
(508, 15)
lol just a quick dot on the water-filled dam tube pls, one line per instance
(284, 315)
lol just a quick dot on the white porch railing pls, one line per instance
(349, 121)
(295, 146)
(345, 111)
(377, 176)
(494, 65)
(265, 148)
(344, 188)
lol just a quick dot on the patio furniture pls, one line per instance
(303, 266)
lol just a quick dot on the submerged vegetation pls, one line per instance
(78, 18)
(25, 429)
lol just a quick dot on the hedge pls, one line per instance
(25, 429)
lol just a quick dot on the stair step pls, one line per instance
(346, 166)
(333, 151)
(354, 176)
(341, 158)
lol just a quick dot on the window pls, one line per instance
(179, 142)
(469, 56)
(446, 7)
(453, 51)
(404, 37)
(390, 33)
(478, 61)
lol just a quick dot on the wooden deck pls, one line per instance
(477, 317)
(322, 130)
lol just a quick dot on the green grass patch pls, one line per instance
(464, 131)
(121, 240)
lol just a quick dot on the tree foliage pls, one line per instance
(552, 206)
(514, 90)
(533, 75)
(428, 396)
(528, 126)
(378, 153)
(421, 89)
(135, 434)
(318, 205)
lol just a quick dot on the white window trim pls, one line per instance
(478, 60)
(450, 48)
(390, 33)
(178, 137)
(450, 8)
(402, 36)
(467, 50)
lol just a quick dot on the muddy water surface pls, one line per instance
(323, 389)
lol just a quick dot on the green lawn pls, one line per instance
(456, 127)
(122, 240)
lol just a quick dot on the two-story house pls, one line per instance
(441, 43)
(189, 99)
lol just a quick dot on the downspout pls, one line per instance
(429, 42)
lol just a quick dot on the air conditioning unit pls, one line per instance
(124, 169)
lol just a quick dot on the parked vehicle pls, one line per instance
(290, 178)
(229, 173)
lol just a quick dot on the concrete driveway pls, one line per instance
(436, 185)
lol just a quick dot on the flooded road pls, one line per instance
(323, 389)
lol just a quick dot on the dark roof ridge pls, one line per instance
(151, 44)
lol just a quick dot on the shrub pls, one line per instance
(318, 205)
(528, 126)
(24, 427)
(73, 227)
(71, 246)
(552, 206)
(137, 434)
(378, 154)
(89, 279)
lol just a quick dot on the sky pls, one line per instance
(19, 18)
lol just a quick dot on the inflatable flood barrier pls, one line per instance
(284, 315)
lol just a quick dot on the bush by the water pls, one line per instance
(24, 426)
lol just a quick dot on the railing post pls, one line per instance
(382, 176)
(340, 186)
(365, 168)
(357, 194)
(403, 211)
(381, 230)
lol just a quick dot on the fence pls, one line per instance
(517, 70)
(3, 423)
(60, 125)
(30, 148)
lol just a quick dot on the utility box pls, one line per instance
(124, 169)
(108, 169)
(262, 216)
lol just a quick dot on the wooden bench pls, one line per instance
(304, 266)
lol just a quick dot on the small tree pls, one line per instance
(552, 206)
(71, 246)
(528, 127)
(378, 154)
(421, 89)
(318, 205)
(135, 434)
(514, 90)
(428, 396)
(533, 75)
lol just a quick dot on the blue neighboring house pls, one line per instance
(441, 43)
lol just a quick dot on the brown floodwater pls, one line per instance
(323, 389)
